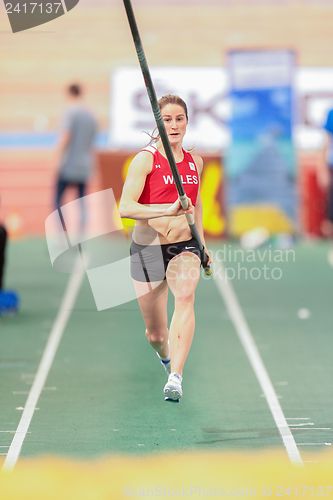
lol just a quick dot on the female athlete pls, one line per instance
(163, 253)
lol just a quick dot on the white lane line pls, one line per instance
(303, 424)
(248, 343)
(50, 350)
(298, 418)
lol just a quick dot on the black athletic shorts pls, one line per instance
(149, 263)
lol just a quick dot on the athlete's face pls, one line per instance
(175, 122)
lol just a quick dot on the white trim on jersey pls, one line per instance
(151, 149)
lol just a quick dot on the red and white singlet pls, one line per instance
(160, 186)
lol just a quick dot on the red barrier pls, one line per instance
(312, 198)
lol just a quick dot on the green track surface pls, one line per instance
(104, 391)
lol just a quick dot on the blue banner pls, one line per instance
(260, 162)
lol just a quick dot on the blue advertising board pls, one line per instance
(260, 161)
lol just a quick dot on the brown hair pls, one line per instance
(163, 101)
(172, 99)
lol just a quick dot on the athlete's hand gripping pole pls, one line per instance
(160, 125)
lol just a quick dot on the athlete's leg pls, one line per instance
(153, 306)
(183, 274)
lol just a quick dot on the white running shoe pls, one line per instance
(173, 388)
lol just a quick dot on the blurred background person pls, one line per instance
(9, 300)
(3, 242)
(75, 155)
(325, 178)
(325, 173)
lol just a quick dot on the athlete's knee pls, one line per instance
(156, 335)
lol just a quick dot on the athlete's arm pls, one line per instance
(198, 207)
(129, 207)
(198, 219)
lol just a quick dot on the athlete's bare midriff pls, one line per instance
(169, 229)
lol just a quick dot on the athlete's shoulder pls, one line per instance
(143, 161)
(150, 148)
